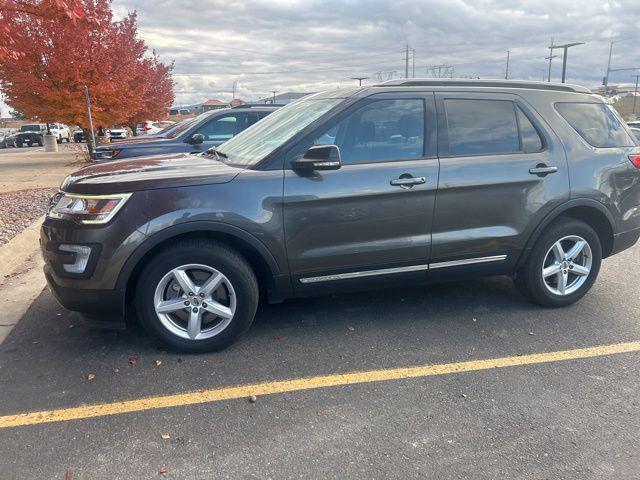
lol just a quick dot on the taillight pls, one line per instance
(635, 159)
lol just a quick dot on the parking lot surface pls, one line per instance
(575, 418)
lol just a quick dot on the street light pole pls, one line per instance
(564, 47)
(635, 95)
(359, 80)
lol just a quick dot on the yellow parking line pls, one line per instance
(309, 383)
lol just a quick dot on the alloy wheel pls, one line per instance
(195, 301)
(567, 265)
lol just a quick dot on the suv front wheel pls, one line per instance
(563, 264)
(197, 296)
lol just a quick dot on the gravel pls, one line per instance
(20, 209)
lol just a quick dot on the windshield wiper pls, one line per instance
(216, 153)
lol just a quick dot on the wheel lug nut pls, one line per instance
(195, 310)
(191, 294)
(204, 305)
(186, 303)
(201, 295)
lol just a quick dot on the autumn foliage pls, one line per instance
(50, 49)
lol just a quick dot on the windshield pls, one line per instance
(262, 138)
(29, 128)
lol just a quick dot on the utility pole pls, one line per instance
(413, 67)
(606, 78)
(506, 71)
(406, 61)
(550, 58)
(359, 80)
(93, 137)
(274, 95)
(635, 95)
(235, 86)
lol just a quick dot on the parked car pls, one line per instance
(191, 135)
(61, 131)
(31, 134)
(8, 137)
(119, 133)
(78, 135)
(538, 181)
(150, 127)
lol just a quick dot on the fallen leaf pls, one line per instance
(253, 399)
(179, 360)
(350, 328)
(116, 370)
(163, 470)
(133, 359)
(201, 390)
(69, 475)
(165, 436)
(91, 376)
(276, 337)
(158, 363)
(531, 333)
(319, 413)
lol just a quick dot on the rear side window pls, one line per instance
(596, 123)
(483, 127)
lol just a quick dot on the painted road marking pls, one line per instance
(309, 383)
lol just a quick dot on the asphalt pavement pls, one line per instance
(576, 418)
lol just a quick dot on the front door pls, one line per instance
(372, 217)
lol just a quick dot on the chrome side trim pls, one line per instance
(366, 273)
(468, 261)
(411, 268)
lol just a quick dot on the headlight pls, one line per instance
(107, 154)
(87, 209)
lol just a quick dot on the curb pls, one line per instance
(21, 278)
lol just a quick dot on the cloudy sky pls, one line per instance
(295, 45)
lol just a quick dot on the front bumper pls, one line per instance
(105, 308)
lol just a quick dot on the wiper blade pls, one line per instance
(213, 151)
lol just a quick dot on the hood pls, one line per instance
(148, 173)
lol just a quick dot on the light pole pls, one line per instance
(606, 78)
(564, 47)
(635, 95)
(359, 80)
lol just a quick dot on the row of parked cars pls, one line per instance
(406, 182)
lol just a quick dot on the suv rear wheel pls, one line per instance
(197, 296)
(563, 265)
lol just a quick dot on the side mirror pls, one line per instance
(319, 157)
(196, 139)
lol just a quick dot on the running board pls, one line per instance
(411, 268)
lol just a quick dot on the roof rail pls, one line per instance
(254, 105)
(439, 82)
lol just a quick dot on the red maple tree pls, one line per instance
(51, 49)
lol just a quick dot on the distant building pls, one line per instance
(213, 104)
(236, 101)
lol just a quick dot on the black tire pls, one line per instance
(529, 279)
(19, 144)
(59, 140)
(40, 142)
(213, 254)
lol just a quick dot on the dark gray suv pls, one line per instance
(405, 182)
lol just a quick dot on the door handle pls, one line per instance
(543, 169)
(408, 182)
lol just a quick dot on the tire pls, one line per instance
(40, 142)
(157, 283)
(59, 140)
(19, 144)
(530, 280)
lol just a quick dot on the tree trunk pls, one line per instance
(87, 136)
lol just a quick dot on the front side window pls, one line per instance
(596, 123)
(381, 131)
(222, 128)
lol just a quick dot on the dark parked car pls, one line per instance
(192, 136)
(405, 182)
(32, 134)
(78, 135)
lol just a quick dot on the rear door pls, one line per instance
(502, 169)
(371, 219)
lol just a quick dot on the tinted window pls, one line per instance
(381, 131)
(531, 141)
(596, 123)
(221, 128)
(480, 127)
(29, 128)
